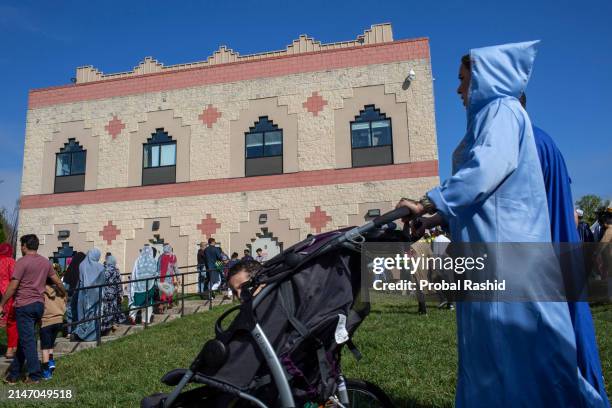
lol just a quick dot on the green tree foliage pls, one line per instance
(590, 204)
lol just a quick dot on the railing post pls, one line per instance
(99, 319)
(182, 295)
(146, 304)
(210, 285)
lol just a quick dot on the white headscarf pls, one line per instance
(144, 267)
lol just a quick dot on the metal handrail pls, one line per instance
(100, 315)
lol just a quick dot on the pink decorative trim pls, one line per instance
(114, 127)
(234, 71)
(314, 103)
(109, 233)
(209, 116)
(234, 185)
(318, 219)
(208, 226)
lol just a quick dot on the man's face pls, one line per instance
(23, 250)
(237, 280)
(259, 252)
(202, 245)
(464, 84)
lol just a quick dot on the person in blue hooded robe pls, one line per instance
(563, 229)
(511, 354)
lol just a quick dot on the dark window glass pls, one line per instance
(360, 135)
(370, 128)
(63, 256)
(254, 145)
(381, 133)
(264, 139)
(63, 164)
(78, 163)
(273, 145)
(160, 150)
(159, 159)
(371, 138)
(70, 161)
(263, 148)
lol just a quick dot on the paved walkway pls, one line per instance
(64, 346)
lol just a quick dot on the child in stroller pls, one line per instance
(283, 347)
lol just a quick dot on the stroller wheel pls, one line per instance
(363, 394)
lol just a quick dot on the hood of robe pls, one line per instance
(499, 71)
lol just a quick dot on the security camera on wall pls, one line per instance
(411, 75)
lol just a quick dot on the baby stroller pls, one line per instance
(283, 347)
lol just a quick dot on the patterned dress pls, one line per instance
(111, 298)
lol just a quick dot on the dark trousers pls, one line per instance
(202, 278)
(27, 355)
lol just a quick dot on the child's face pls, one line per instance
(237, 280)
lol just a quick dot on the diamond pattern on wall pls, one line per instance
(208, 226)
(109, 233)
(114, 127)
(318, 219)
(209, 116)
(314, 103)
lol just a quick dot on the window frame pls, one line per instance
(272, 128)
(150, 144)
(71, 153)
(160, 144)
(73, 181)
(359, 119)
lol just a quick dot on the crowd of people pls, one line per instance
(214, 266)
(87, 299)
(82, 302)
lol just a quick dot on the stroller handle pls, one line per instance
(391, 216)
(377, 222)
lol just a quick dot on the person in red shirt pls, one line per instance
(27, 289)
(7, 265)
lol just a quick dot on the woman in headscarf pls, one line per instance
(7, 265)
(167, 273)
(142, 292)
(91, 273)
(511, 353)
(111, 295)
(71, 282)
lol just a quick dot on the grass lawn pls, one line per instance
(412, 357)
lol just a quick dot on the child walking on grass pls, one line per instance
(51, 323)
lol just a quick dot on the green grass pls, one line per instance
(412, 357)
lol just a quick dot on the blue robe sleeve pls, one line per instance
(491, 158)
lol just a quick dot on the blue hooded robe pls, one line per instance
(511, 354)
(563, 229)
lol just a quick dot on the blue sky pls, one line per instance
(569, 93)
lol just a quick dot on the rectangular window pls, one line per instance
(168, 155)
(155, 156)
(151, 156)
(254, 145)
(62, 164)
(273, 144)
(381, 133)
(78, 163)
(360, 135)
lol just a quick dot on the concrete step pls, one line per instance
(5, 362)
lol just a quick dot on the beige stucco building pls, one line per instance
(255, 150)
